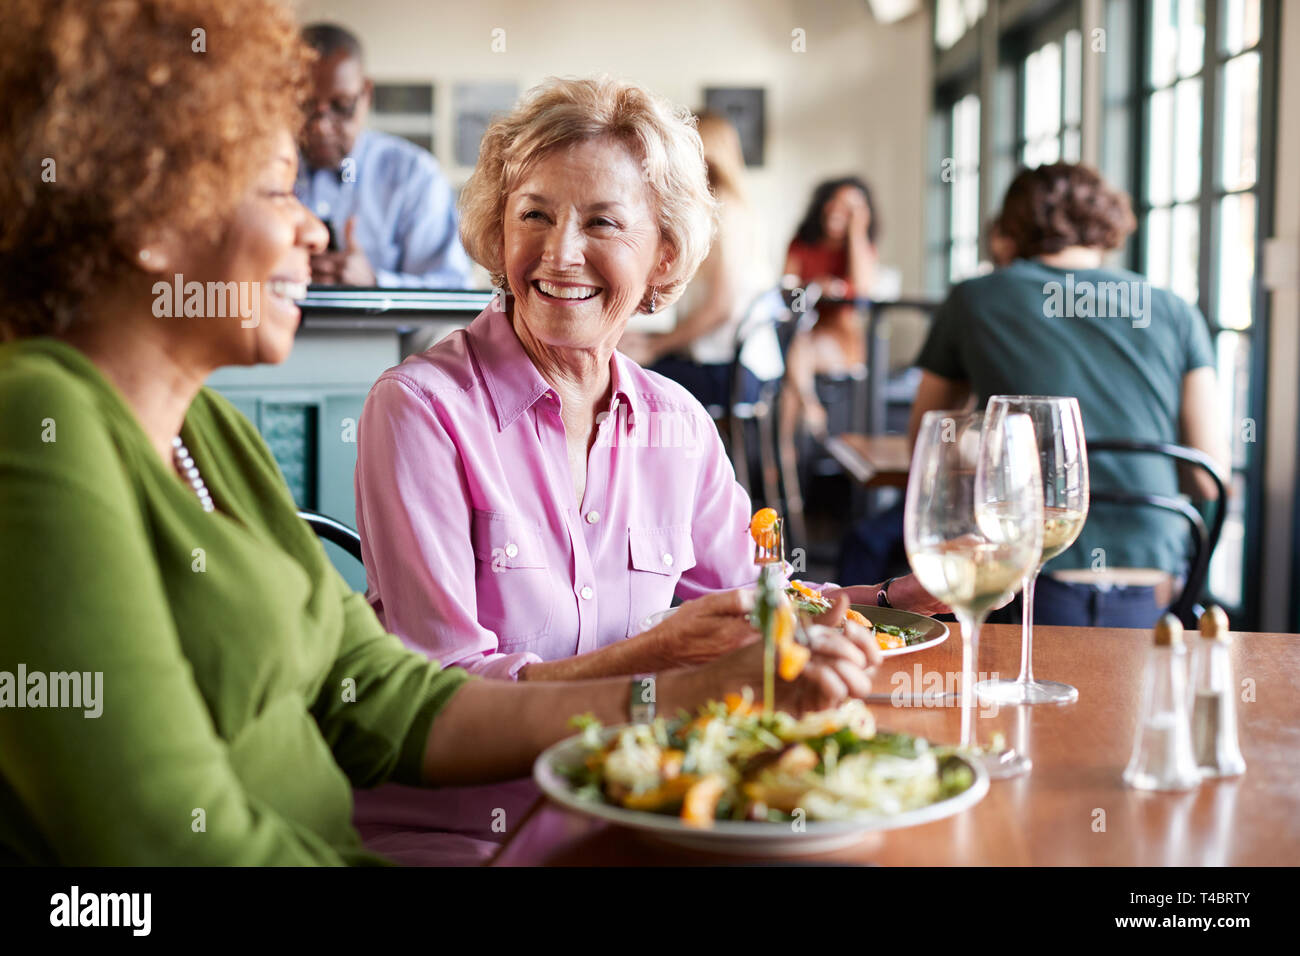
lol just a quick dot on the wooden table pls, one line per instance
(1073, 808)
(875, 461)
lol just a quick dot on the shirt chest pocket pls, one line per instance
(515, 595)
(657, 558)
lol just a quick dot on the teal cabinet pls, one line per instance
(308, 410)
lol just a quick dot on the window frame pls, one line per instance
(1250, 472)
(943, 241)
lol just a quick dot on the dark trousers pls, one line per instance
(872, 550)
(1066, 604)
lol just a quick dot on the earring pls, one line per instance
(144, 255)
(654, 297)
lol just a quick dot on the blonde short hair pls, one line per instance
(564, 112)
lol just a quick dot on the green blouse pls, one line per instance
(245, 687)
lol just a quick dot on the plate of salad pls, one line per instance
(732, 779)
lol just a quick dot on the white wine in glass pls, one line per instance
(1063, 461)
(973, 529)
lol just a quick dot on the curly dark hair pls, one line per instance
(810, 229)
(120, 117)
(1053, 207)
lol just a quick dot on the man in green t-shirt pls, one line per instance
(1138, 358)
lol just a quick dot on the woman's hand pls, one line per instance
(905, 593)
(859, 219)
(840, 667)
(704, 629)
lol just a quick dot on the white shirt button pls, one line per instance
(593, 517)
(587, 593)
(668, 560)
(322, 209)
(512, 549)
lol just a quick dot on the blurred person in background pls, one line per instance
(390, 211)
(698, 351)
(1145, 374)
(835, 248)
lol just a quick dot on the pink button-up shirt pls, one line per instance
(478, 554)
(475, 548)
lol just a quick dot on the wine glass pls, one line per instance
(973, 529)
(1063, 459)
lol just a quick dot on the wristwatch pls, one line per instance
(882, 596)
(641, 698)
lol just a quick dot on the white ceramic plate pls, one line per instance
(740, 837)
(934, 632)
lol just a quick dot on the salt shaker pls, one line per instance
(1214, 703)
(1162, 749)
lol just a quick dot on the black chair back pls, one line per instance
(744, 420)
(1204, 539)
(335, 532)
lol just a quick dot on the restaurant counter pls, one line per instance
(307, 408)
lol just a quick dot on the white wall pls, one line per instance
(855, 102)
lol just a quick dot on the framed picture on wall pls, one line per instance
(476, 104)
(744, 106)
(406, 110)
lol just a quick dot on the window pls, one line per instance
(1198, 209)
(1050, 84)
(1172, 181)
(1234, 196)
(954, 193)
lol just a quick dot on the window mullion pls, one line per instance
(1207, 273)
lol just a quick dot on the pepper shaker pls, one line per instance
(1214, 703)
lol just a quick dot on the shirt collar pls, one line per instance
(512, 380)
(306, 172)
(625, 391)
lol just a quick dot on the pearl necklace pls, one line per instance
(190, 472)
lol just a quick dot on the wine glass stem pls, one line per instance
(970, 640)
(1027, 631)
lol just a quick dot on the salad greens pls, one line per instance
(730, 761)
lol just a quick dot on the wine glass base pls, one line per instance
(1008, 763)
(1028, 692)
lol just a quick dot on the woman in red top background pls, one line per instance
(835, 247)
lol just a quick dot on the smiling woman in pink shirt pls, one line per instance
(526, 495)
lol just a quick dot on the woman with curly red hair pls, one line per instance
(1057, 321)
(197, 683)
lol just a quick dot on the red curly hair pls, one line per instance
(122, 116)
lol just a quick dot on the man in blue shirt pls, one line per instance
(390, 211)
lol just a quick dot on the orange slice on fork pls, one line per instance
(762, 528)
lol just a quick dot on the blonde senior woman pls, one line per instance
(526, 495)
